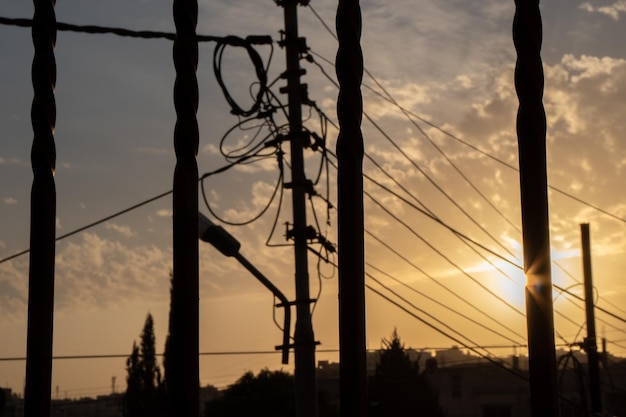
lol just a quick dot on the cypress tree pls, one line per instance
(144, 393)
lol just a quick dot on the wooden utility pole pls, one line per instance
(591, 346)
(304, 340)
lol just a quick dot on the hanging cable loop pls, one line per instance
(259, 67)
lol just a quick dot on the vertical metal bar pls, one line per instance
(38, 385)
(352, 354)
(184, 383)
(304, 349)
(531, 132)
(591, 346)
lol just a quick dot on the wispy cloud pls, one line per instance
(11, 161)
(583, 99)
(164, 213)
(155, 151)
(9, 201)
(125, 231)
(100, 272)
(613, 10)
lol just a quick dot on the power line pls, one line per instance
(442, 223)
(434, 217)
(119, 213)
(125, 356)
(450, 309)
(375, 291)
(430, 213)
(457, 267)
(463, 142)
(465, 238)
(99, 30)
(458, 296)
(90, 29)
(441, 304)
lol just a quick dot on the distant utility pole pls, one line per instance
(591, 347)
(304, 340)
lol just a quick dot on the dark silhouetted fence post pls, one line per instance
(531, 133)
(38, 385)
(352, 355)
(184, 383)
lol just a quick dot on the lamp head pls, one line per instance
(216, 235)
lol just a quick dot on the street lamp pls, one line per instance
(229, 246)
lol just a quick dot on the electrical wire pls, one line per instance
(437, 251)
(465, 143)
(259, 67)
(454, 339)
(117, 214)
(310, 59)
(265, 208)
(384, 134)
(446, 288)
(431, 180)
(139, 34)
(431, 316)
(439, 303)
(99, 30)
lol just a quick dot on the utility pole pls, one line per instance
(590, 344)
(304, 340)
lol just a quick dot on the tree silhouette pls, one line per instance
(145, 390)
(167, 360)
(3, 401)
(397, 388)
(270, 393)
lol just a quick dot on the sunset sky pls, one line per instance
(448, 63)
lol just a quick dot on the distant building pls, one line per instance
(101, 406)
(13, 405)
(470, 386)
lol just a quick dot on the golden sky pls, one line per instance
(447, 63)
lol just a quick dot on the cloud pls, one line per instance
(9, 201)
(123, 230)
(101, 272)
(614, 10)
(154, 150)
(583, 100)
(11, 161)
(164, 213)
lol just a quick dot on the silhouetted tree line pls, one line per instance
(270, 393)
(396, 389)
